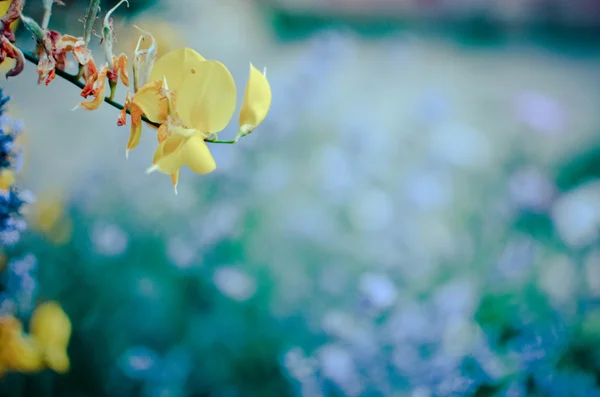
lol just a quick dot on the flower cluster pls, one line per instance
(191, 99)
(45, 346)
(186, 97)
(12, 199)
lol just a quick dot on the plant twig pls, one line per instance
(47, 13)
(90, 19)
(76, 80)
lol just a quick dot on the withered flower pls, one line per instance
(53, 48)
(9, 50)
(53, 54)
(95, 80)
(8, 20)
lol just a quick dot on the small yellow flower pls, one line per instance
(50, 327)
(48, 217)
(257, 101)
(193, 98)
(18, 352)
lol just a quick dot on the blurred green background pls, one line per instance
(418, 215)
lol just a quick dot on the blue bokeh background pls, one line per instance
(418, 215)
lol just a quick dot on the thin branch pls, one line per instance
(76, 80)
(46, 18)
(47, 13)
(90, 19)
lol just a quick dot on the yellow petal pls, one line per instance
(57, 360)
(178, 130)
(99, 88)
(151, 102)
(196, 155)
(22, 354)
(9, 326)
(175, 180)
(257, 100)
(135, 133)
(50, 326)
(176, 66)
(167, 157)
(97, 101)
(162, 133)
(122, 66)
(17, 352)
(206, 100)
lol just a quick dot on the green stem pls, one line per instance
(239, 136)
(79, 72)
(113, 89)
(231, 142)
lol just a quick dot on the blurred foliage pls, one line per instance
(237, 348)
(582, 168)
(480, 30)
(414, 313)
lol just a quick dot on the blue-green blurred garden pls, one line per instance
(418, 215)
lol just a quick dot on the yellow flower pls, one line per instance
(192, 98)
(51, 328)
(257, 101)
(18, 352)
(48, 216)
